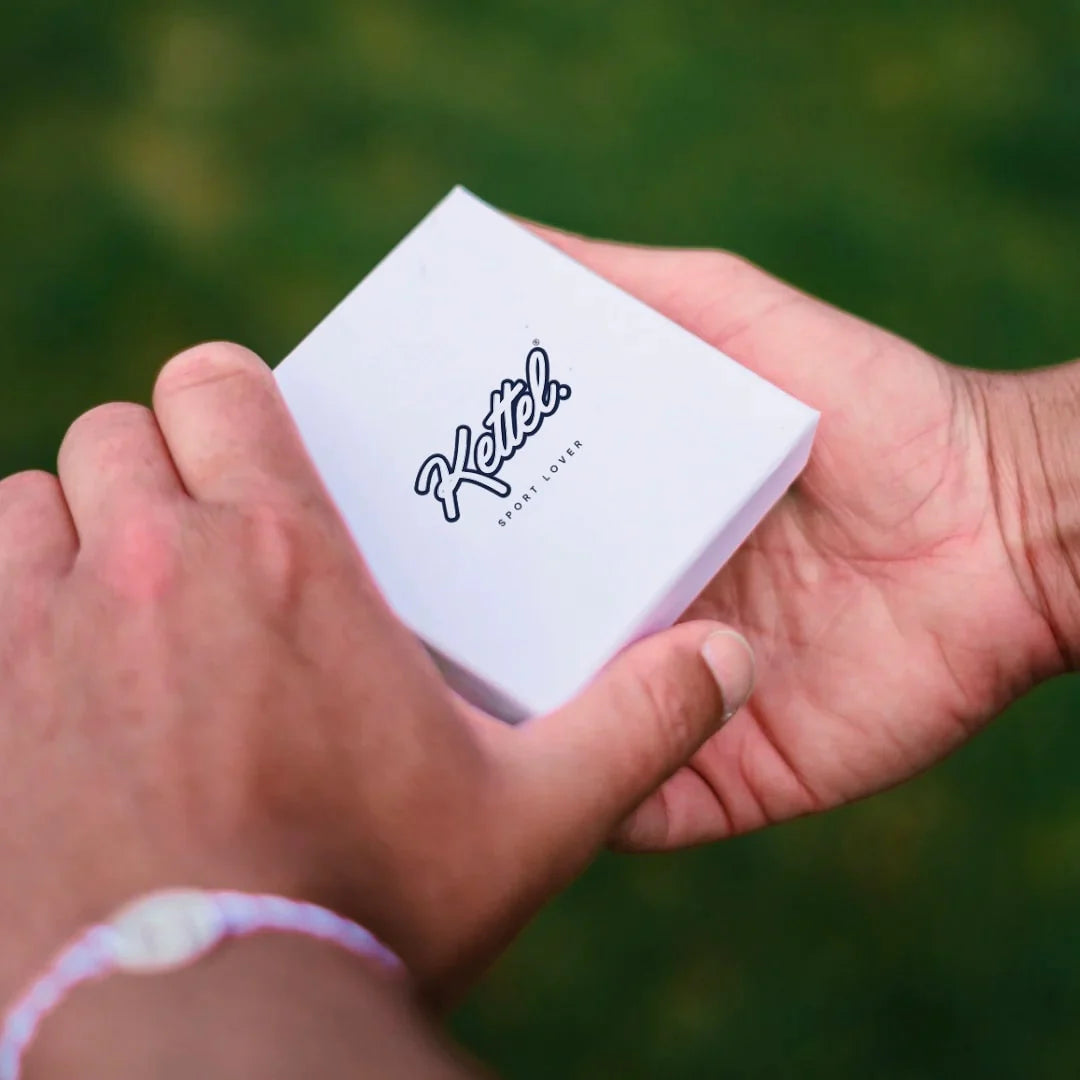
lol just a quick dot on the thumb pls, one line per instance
(644, 716)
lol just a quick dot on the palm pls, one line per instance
(877, 595)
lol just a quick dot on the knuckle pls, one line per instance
(207, 365)
(658, 694)
(104, 418)
(279, 546)
(32, 485)
(728, 267)
(36, 537)
(142, 557)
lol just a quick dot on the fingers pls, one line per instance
(644, 716)
(221, 431)
(713, 294)
(683, 812)
(36, 531)
(228, 429)
(805, 346)
(112, 462)
(644, 271)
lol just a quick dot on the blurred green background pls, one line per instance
(182, 171)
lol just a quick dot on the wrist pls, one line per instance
(87, 879)
(238, 1012)
(1030, 421)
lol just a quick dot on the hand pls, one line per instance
(201, 686)
(904, 591)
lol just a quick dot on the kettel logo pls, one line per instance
(518, 409)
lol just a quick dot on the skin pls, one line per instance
(919, 577)
(201, 666)
(238, 1013)
(203, 687)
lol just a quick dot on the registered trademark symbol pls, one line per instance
(536, 341)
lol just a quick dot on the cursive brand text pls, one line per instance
(518, 408)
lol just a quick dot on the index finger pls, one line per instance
(228, 429)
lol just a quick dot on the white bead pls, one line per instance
(165, 930)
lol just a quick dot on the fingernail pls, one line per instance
(731, 661)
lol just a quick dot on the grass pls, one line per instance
(174, 172)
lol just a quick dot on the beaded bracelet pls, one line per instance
(162, 932)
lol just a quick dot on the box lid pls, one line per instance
(537, 467)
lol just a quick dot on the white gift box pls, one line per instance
(538, 468)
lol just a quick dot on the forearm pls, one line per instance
(271, 1006)
(1033, 440)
